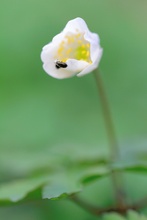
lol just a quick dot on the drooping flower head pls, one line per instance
(75, 51)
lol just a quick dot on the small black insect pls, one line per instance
(60, 64)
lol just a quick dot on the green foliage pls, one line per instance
(53, 184)
(52, 137)
(113, 216)
(19, 189)
(131, 215)
(66, 180)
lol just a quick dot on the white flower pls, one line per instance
(75, 51)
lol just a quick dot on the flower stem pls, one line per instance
(114, 149)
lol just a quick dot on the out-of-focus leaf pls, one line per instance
(72, 180)
(91, 173)
(67, 176)
(133, 156)
(132, 165)
(131, 215)
(113, 216)
(61, 186)
(19, 189)
(54, 185)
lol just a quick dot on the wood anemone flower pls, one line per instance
(75, 51)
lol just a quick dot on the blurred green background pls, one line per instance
(40, 115)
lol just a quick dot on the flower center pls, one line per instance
(74, 46)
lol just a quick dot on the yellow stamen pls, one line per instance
(74, 46)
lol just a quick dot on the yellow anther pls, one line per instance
(74, 46)
(87, 53)
(79, 41)
(60, 49)
(83, 46)
(64, 60)
(84, 52)
(69, 51)
(88, 45)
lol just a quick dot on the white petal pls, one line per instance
(47, 52)
(57, 73)
(73, 66)
(71, 27)
(76, 65)
(77, 24)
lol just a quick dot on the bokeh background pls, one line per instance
(40, 115)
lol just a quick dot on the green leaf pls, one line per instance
(132, 165)
(91, 173)
(61, 186)
(131, 215)
(19, 189)
(59, 183)
(133, 156)
(71, 180)
(113, 216)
